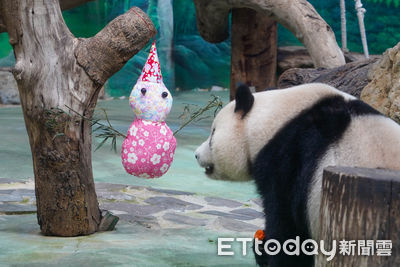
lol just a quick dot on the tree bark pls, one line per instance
(254, 50)
(54, 70)
(350, 78)
(297, 57)
(298, 16)
(360, 204)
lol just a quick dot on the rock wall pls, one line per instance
(383, 90)
(8, 88)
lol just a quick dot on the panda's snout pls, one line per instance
(209, 169)
(203, 156)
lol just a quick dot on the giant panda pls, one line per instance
(283, 139)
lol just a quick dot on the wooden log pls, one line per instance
(350, 78)
(298, 57)
(360, 204)
(254, 50)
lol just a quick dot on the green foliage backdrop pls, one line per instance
(198, 64)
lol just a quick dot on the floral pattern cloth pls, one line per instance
(152, 71)
(149, 149)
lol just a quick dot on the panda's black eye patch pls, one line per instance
(143, 90)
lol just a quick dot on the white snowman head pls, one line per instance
(150, 99)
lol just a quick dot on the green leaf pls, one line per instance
(101, 144)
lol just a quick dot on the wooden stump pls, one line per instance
(360, 204)
(254, 50)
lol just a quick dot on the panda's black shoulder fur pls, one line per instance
(284, 167)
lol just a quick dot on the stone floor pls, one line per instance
(159, 227)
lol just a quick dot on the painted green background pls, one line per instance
(194, 62)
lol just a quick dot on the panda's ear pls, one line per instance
(244, 99)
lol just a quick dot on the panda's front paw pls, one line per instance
(258, 248)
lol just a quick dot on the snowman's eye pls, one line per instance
(143, 91)
(164, 94)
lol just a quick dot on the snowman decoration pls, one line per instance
(149, 148)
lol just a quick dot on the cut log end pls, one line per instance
(360, 204)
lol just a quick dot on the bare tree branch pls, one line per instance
(298, 16)
(108, 51)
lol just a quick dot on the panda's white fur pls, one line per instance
(236, 140)
(369, 141)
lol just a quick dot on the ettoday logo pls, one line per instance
(273, 247)
(294, 247)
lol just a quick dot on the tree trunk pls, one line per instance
(254, 50)
(54, 71)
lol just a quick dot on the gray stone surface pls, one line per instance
(172, 203)
(16, 195)
(227, 215)
(110, 187)
(170, 192)
(147, 220)
(221, 202)
(182, 219)
(150, 207)
(133, 209)
(237, 226)
(10, 198)
(24, 192)
(9, 181)
(17, 208)
(8, 88)
(111, 195)
(249, 212)
(257, 201)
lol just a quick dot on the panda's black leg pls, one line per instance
(282, 225)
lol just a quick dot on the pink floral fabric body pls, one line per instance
(148, 150)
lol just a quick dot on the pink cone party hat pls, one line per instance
(152, 71)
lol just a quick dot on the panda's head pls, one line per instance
(225, 155)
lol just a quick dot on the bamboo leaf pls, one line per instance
(101, 144)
